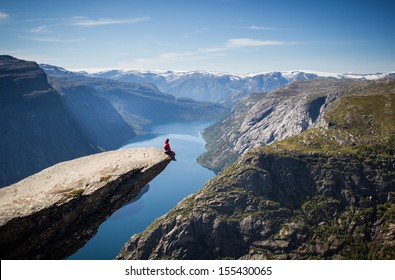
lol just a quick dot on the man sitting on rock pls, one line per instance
(168, 150)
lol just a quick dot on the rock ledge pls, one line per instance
(53, 213)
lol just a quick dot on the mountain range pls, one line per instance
(46, 119)
(305, 160)
(222, 87)
(139, 104)
(205, 86)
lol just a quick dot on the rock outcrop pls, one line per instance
(261, 119)
(327, 193)
(53, 213)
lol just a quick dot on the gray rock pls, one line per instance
(53, 213)
(36, 130)
(261, 119)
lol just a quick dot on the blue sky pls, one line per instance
(235, 36)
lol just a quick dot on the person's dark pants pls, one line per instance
(171, 154)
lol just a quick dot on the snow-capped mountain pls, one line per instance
(213, 86)
(197, 85)
(59, 71)
(222, 87)
(207, 86)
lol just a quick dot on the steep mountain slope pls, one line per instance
(36, 130)
(327, 193)
(99, 120)
(140, 105)
(43, 122)
(261, 119)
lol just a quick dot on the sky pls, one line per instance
(233, 36)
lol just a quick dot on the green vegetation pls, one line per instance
(359, 125)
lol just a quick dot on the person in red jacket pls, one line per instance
(168, 151)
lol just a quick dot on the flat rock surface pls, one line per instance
(83, 176)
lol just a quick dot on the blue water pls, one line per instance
(180, 179)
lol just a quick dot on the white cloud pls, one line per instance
(214, 49)
(247, 42)
(51, 39)
(255, 27)
(3, 16)
(206, 53)
(83, 21)
(240, 43)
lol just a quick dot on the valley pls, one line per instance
(326, 193)
(47, 119)
(304, 160)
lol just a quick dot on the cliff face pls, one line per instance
(99, 120)
(261, 119)
(327, 193)
(36, 131)
(53, 213)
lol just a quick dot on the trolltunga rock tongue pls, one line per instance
(53, 213)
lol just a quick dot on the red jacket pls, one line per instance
(167, 147)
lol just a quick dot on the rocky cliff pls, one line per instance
(327, 193)
(53, 213)
(261, 119)
(36, 130)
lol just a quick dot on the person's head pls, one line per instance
(167, 140)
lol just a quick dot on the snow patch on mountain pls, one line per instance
(214, 86)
